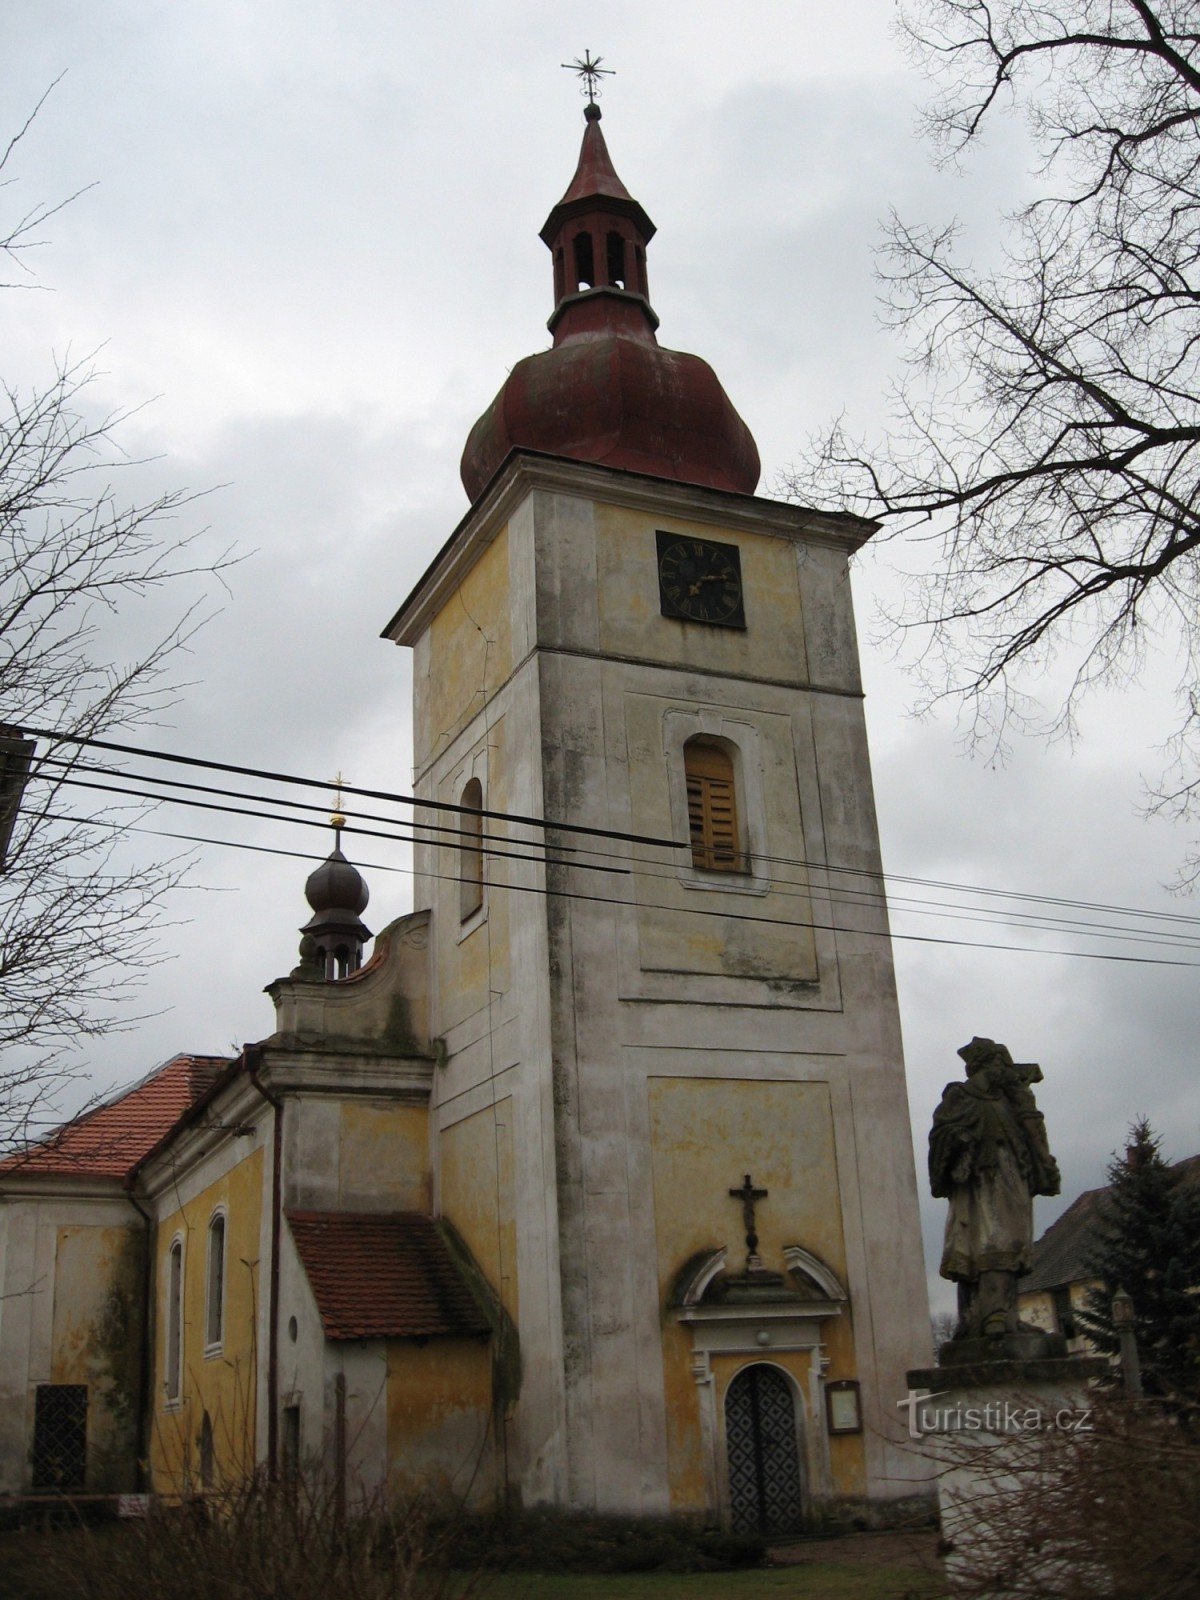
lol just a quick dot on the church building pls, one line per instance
(592, 1185)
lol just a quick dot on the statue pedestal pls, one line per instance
(981, 1416)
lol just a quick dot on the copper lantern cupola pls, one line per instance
(607, 391)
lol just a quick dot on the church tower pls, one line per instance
(669, 1116)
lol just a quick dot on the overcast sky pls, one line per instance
(313, 237)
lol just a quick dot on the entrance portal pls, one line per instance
(764, 1464)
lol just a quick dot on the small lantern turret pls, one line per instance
(335, 934)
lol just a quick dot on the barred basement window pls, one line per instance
(470, 851)
(60, 1436)
(712, 807)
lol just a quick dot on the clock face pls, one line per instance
(699, 580)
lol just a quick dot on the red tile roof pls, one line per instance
(109, 1140)
(383, 1277)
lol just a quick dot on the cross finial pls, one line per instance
(590, 72)
(337, 821)
(748, 1194)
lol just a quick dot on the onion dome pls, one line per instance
(607, 391)
(338, 896)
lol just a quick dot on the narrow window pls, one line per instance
(470, 851)
(206, 1452)
(174, 1351)
(1064, 1312)
(616, 260)
(640, 258)
(560, 275)
(585, 266)
(712, 807)
(214, 1318)
(60, 1436)
(289, 1461)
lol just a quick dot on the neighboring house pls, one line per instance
(593, 1187)
(1057, 1285)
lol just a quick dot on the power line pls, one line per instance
(731, 916)
(629, 838)
(349, 788)
(308, 822)
(785, 887)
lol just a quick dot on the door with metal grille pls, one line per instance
(765, 1493)
(60, 1436)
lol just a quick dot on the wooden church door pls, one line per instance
(765, 1493)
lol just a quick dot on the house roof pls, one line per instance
(1061, 1255)
(383, 1277)
(109, 1140)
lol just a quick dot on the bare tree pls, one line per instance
(78, 918)
(1046, 433)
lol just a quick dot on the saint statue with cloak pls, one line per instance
(988, 1156)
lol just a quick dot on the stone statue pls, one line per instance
(988, 1156)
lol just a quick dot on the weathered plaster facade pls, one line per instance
(475, 1199)
(621, 1045)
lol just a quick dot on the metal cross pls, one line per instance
(337, 820)
(590, 70)
(748, 1194)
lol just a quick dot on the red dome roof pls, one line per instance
(606, 391)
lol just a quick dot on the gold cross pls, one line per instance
(590, 70)
(337, 820)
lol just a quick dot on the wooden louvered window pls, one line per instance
(712, 808)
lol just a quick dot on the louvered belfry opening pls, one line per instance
(712, 807)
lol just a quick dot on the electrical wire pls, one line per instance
(729, 916)
(617, 835)
(348, 788)
(785, 887)
(903, 905)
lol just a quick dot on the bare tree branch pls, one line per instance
(79, 924)
(1045, 445)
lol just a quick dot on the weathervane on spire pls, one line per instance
(590, 71)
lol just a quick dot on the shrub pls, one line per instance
(257, 1541)
(559, 1541)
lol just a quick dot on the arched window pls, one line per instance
(640, 258)
(712, 807)
(214, 1312)
(616, 260)
(560, 274)
(585, 264)
(174, 1350)
(470, 851)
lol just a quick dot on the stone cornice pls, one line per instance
(525, 471)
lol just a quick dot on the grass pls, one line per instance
(26, 1557)
(823, 1581)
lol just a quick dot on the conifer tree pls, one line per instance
(1148, 1243)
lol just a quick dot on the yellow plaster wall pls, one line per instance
(473, 965)
(383, 1155)
(96, 1339)
(476, 1157)
(224, 1384)
(470, 649)
(784, 1132)
(671, 937)
(632, 625)
(439, 1418)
